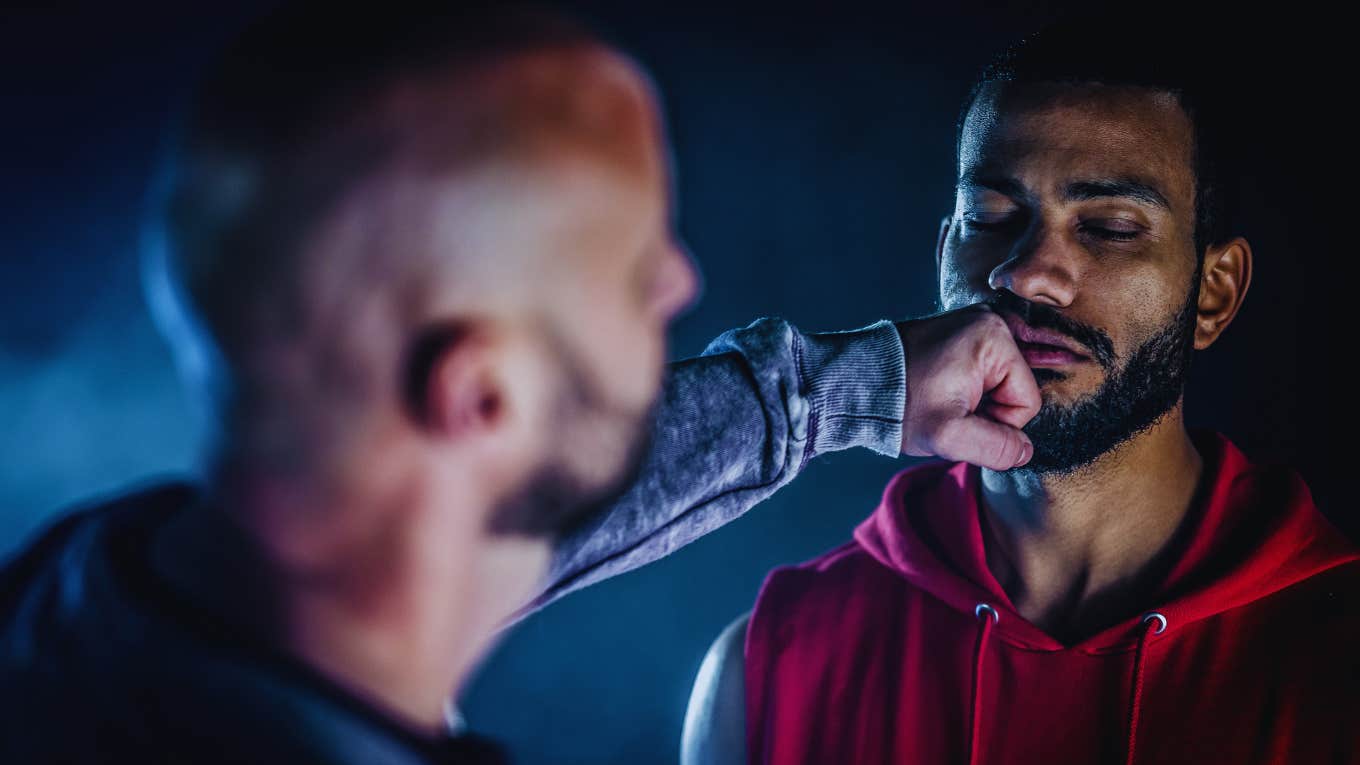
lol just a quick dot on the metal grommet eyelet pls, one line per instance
(1161, 627)
(983, 607)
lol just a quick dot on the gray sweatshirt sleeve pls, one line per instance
(733, 425)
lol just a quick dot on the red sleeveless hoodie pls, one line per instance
(901, 647)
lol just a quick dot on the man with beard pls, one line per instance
(1138, 591)
(420, 266)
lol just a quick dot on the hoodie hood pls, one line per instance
(1253, 531)
(902, 647)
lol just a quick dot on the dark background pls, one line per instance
(814, 150)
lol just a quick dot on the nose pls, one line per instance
(677, 282)
(1042, 268)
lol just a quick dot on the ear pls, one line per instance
(456, 384)
(945, 224)
(1222, 288)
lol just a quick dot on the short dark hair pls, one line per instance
(1099, 48)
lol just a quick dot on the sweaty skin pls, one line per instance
(1048, 169)
(1080, 198)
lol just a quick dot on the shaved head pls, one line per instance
(340, 197)
(419, 265)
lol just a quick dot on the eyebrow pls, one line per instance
(1123, 188)
(1077, 191)
(1003, 185)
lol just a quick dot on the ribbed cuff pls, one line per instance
(856, 384)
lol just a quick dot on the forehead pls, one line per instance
(1078, 131)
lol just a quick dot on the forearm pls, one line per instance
(733, 426)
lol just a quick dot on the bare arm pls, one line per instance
(715, 721)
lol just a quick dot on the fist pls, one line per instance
(969, 391)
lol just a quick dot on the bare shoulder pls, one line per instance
(715, 721)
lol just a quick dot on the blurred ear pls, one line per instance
(1222, 288)
(455, 388)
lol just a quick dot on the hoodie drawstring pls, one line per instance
(1153, 624)
(982, 611)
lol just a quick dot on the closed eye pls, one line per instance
(1111, 234)
(992, 223)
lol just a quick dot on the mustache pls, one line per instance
(1040, 316)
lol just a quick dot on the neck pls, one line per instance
(399, 615)
(1073, 551)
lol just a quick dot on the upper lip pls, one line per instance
(1024, 333)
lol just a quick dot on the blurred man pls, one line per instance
(1138, 591)
(419, 269)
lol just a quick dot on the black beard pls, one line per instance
(1130, 402)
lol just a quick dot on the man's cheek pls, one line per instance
(635, 361)
(957, 290)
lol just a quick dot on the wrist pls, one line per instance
(855, 383)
